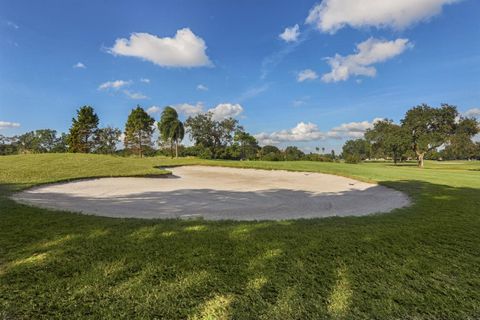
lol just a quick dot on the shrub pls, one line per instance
(353, 158)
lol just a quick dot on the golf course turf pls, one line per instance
(419, 262)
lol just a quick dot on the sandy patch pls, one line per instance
(217, 193)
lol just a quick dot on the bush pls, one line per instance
(353, 158)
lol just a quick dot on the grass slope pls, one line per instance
(420, 262)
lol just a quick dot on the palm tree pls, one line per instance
(178, 132)
(171, 129)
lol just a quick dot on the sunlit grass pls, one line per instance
(419, 262)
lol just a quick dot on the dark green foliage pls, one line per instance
(271, 153)
(393, 140)
(245, 145)
(460, 144)
(138, 131)
(171, 129)
(429, 128)
(356, 149)
(292, 153)
(106, 140)
(212, 136)
(83, 129)
(352, 158)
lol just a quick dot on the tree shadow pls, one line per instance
(416, 262)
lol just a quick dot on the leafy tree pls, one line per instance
(138, 131)
(429, 128)
(389, 137)
(61, 143)
(171, 129)
(27, 142)
(247, 145)
(8, 145)
(460, 145)
(292, 153)
(356, 149)
(106, 140)
(211, 135)
(82, 131)
(271, 153)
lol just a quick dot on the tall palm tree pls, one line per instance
(171, 129)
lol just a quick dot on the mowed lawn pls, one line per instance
(420, 262)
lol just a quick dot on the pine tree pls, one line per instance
(82, 131)
(138, 131)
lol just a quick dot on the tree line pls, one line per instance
(211, 138)
(424, 133)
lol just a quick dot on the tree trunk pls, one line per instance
(140, 145)
(176, 148)
(420, 156)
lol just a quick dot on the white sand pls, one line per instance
(217, 193)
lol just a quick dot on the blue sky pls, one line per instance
(347, 63)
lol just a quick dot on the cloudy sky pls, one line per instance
(293, 72)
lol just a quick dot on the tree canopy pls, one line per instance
(82, 131)
(138, 131)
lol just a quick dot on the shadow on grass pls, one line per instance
(417, 262)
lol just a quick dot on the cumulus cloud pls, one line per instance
(473, 113)
(360, 63)
(135, 95)
(154, 110)
(185, 49)
(145, 80)
(308, 131)
(202, 87)
(7, 124)
(352, 129)
(226, 110)
(189, 109)
(306, 74)
(219, 112)
(332, 15)
(117, 84)
(290, 34)
(302, 132)
(79, 65)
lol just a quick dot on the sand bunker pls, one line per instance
(217, 193)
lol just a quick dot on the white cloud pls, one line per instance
(290, 34)
(117, 84)
(473, 113)
(154, 110)
(79, 65)
(145, 80)
(135, 95)
(308, 131)
(352, 129)
(189, 109)
(368, 53)
(7, 124)
(253, 92)
(332, 15)
(202, 87)
(300, 133)
(185, 49)
(219, 112)
(306, 74)
(226, 110)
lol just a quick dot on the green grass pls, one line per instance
(421, 262)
